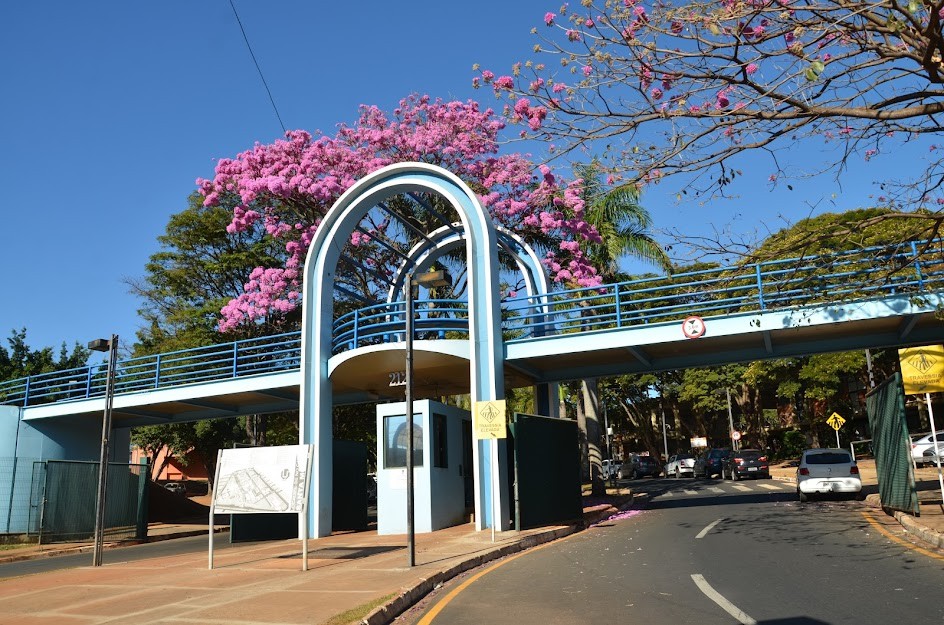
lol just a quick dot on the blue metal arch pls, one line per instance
(486, 351)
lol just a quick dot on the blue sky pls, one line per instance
(111, 110)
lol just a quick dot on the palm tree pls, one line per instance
(624, 226)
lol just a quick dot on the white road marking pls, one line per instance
(725, 605)
(710, 526)
(690, 492)
(741, 487)
(715, 489)
(770, 486)
(667, 493)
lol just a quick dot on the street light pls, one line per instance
(110, 346)
(428, 279)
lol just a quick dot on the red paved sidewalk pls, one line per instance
(260, 583)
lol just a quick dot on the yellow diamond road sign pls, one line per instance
(490, 419)
(835, 421)
(922, 369)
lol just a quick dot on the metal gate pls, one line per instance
(68, 490)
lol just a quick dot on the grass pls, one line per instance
(11, 546)
(358, 613)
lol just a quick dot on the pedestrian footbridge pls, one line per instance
(867, 298)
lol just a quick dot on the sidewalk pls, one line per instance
(353, 577)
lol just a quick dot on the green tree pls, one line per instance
(199, 268)
(18, 360)
(623, 225)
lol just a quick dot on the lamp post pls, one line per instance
(110, 346)
(428, 279)
(727, 393)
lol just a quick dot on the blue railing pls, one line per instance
(226, 361)
(829, 278)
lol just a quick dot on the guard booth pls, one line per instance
(442, 460)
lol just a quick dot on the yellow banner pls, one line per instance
(922, 369)
(489, 419)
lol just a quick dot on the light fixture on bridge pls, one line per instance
(428, 279)
(110, 346)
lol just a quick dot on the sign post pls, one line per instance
(922, 371)
(490, 423)
(263, 480)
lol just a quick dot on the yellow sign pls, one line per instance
(835, 421)
(489, 419)
(922, 369)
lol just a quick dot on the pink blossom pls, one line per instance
(589, 23)
(587, 70)
(751, 68)
(274, 185)
(656, 93)
(549, 18)
(573, 35)
(504, 82)
(487, 76)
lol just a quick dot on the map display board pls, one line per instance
(262, 480)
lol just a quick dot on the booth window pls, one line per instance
(395, 441)
(440, 442)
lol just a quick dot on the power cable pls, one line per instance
(259, 69)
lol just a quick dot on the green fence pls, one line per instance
(546, 469)
(69, 492)
(891, 446)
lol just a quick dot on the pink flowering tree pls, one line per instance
(678, 87)
(287, 187)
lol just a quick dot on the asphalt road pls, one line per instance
(192, 544)
(706, 551)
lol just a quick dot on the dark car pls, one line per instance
(746, 463)
(639, 466)
(709, 463)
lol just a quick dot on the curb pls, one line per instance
(53, 552)
(908, 522)
(410, 596)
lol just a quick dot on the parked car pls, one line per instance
(679, 465)
(745, 463)
(827, 471)
(930, 457)
(610, 467)
(176, 488)
(708, 464)
(922, 444)
(639, 466)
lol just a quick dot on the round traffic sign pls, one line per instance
(735, 435)
(693, 327)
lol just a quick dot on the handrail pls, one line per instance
(868, 273)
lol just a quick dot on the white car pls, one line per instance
(827, 471)
(923, 444)
(610, 467)
(679, 465)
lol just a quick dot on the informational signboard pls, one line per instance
(262, 480)
(698, 441)
(735, 435)
(489, 419)
(922, 369)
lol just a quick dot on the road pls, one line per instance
(192, 544)
(708, 551)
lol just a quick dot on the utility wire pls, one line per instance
(259, 69)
